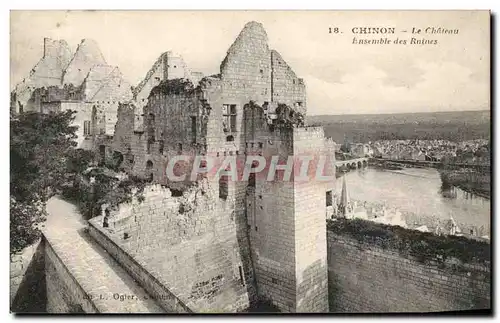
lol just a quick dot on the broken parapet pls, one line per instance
(155, 196)
(122, 215)
(285, 116)
(175, 86)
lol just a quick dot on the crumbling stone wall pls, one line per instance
(166, 131)
(287, 88)
(189, 243)
(366, 278)
(47, 72)
(87, 55)
(246, 74)
(81, 78)
(168, 66)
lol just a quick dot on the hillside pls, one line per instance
(455, 126)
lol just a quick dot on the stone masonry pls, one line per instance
(82, 82)
(272, 234)
(217, 245)
(364, 278)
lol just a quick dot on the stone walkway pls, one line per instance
(97, 273)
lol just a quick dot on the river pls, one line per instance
(416, 192)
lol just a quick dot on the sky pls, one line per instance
(341, 77)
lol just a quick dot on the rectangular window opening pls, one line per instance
(329, 198)
(86, 128)
(229, 117)
(162, 146)
(223, 187)
(242, 278)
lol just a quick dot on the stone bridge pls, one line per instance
(351, 163)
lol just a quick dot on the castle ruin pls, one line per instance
(215, 245)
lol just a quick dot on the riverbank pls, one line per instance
(417, 194)
(469, 181)
(392, 165)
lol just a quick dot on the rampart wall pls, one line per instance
(364, 278)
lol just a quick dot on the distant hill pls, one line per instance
(454, 126)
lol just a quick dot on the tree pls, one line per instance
(39, 148)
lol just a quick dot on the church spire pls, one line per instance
(344, 198)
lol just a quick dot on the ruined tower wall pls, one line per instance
(286, 87)
(47, 72)
(167, 130)
(310, 226)
(273, 229)
(167, 67)
(245, 76)
(87, 55)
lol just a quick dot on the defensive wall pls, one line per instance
(365, 275)
(383, 273)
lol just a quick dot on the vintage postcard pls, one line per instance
(250, 161)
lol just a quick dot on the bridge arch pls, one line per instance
(360, 164)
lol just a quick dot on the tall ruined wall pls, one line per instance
(106, 83)
(167, 131)
(246, 75)
(310, 226)
(87, 55)
(366, 278)
(47, 72)
(83, 77)
(272, 220)
(188, 243)
(167, 67)
(286, 87)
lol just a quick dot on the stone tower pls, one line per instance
(286, 218)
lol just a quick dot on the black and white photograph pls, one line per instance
(244, 162)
